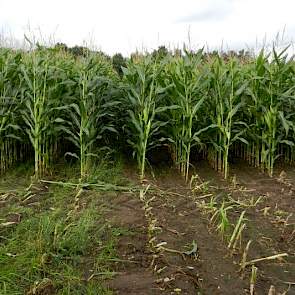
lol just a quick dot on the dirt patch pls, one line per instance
(125, 210)
(136, 282)
(165, 225)
(179, 224)
(211, 270)
(269, 224)
(134, 275)
(279, 191)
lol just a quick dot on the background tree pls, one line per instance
(118, 62)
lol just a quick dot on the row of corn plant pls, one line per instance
(54, 104)
(10, 135)
(144, 96)
(270, 110)
(48, 98)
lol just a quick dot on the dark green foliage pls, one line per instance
(77, 102)
(160, 53)
(118, 63)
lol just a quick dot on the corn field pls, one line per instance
(56, 105)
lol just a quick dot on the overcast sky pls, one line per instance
(127, 25)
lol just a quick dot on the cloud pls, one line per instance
(211, 13)
(128, 25)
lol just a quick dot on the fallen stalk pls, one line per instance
(204, 196)
(251, 262)
(103, 186)
(192, 252)
(237, 231)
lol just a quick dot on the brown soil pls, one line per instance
(147, 269)
(270, 224)
(212, 271)
(125, 211)
(279, 190)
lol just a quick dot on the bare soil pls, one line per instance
(152, 261)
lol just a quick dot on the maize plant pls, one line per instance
(143, 95)
(90, 109)
(41, 105)
(36, 104)
(226, 90)
(187, 95)
(9, 108)
(272, 93)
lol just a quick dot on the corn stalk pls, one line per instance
(90, 110)
(143, 94)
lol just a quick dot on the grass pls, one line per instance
(102, 170)
(16, 178)
(58, 244)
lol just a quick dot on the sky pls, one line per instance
(129, 25)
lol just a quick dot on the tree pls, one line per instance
(160, 53)
(118, 62)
